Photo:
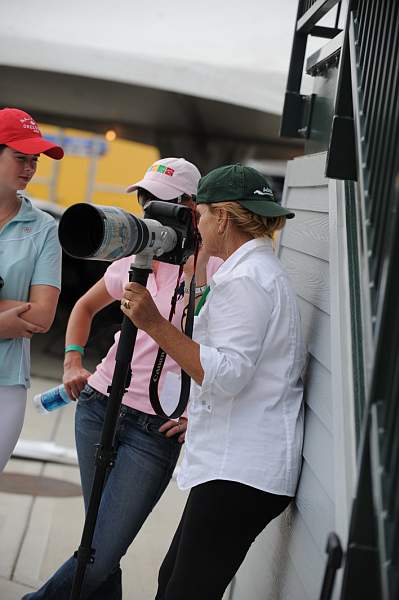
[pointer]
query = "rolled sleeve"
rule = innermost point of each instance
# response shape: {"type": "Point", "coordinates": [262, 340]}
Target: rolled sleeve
{"type": "Point", "coordinates": [209, 358]}
{"type": "Point", "coordinates": [239, 312]}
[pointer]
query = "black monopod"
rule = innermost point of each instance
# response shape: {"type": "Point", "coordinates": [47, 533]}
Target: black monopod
{"type": "Point", "coordinates": [106, 454]}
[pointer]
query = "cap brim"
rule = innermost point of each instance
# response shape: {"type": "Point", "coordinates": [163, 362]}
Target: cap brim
{"type": "Point", "coordinates": [37, 146]}
{"type": "Point", "coordinates": [267, 208]}
{"type": "Point", "coordinates": [160, 190]}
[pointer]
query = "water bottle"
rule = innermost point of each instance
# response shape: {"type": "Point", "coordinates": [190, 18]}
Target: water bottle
{"type": "Point", "coordinates": [52, 399]}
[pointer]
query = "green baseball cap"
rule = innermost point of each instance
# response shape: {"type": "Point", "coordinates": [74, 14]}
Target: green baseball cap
{"type": "Point", "coordinates": [241, 184]}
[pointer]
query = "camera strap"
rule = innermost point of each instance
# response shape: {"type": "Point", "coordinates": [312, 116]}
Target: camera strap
{"type": "Point", "coordinates": [161, 356]}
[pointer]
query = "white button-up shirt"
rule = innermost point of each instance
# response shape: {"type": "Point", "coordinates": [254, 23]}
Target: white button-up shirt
{"type": "Point", "coordinates": [245, 422]}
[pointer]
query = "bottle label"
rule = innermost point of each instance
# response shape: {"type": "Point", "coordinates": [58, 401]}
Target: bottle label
{"type": "Point", "coordinates": [52, 399]}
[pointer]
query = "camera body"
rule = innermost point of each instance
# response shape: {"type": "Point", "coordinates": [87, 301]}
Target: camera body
{"type": "Point", "coordinates": [181, 220]}
{"type": "Point", "coordinates": [167, 232]}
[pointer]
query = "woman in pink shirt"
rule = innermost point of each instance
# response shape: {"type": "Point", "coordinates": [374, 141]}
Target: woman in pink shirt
{"type": "Point", "coordinates": [148, 446]}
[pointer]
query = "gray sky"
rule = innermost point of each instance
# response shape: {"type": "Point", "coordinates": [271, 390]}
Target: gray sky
{"type": "Point", "coordinates": [230, 50]}
{"type": "Point", "coordinates": [254, 34]}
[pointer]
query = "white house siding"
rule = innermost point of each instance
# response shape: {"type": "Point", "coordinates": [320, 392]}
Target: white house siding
{"type": "Point", "coordinates": [287, 561]}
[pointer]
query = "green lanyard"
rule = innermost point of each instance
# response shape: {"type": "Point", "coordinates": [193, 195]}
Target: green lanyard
{"type": "Point", "coordinates": [201, 301]}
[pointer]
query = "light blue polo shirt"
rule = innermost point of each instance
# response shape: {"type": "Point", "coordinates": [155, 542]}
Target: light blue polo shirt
{"type": "Point", "coordinates": [30, 254]}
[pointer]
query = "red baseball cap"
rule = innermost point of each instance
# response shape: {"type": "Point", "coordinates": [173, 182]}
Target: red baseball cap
{"type": "Point", "coordinates": [20, 132]}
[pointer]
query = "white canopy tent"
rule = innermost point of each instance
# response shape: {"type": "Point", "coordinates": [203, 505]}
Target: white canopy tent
{"type": "Point", "coordinates": [210, 69]}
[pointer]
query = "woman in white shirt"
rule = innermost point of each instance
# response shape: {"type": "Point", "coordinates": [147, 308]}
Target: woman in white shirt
{"type": "Point", "coordinates": [244, 439]}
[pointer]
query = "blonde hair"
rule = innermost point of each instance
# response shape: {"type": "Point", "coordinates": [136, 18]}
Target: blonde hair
{"type": "Point", "coordinates": [254, 225]}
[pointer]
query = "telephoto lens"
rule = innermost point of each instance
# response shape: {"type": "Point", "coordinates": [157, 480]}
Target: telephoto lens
{"type": "Point", "coordinates": [109, 233]}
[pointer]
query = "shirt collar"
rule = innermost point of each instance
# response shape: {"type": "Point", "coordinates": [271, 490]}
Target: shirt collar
{"type": "Point", "coordinates": [26, 211]}
{"type": "Point", "coordinates": [225, 268]}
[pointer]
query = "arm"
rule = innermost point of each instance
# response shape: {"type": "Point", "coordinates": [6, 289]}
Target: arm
{"type": "Point", "coordinates": [203, 272]}
{"type": "Point", "coordinates": [78, 330]}
{"type": "Point", "coordinates": [200, 273]}
{"type": "Point", "coordinates": [238, 322]}
{"type": "Point", "coordinates": [43, 300]}
{"type": "Point", "coordinates": [145, 315]}
{"type": "Point", "coordinates": [45, 283]}
{"type": "Point", "coordinates": [13, 326]}
{"type": "Point", "coordinates": [42, 306]}
{"type": "Point", "coordinates": [7, 304]}
{"type": "Point", "coordinates": [178, 346]}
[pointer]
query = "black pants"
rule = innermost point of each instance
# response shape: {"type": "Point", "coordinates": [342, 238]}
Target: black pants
{"type": "Point", "coordinates": [220, 521]}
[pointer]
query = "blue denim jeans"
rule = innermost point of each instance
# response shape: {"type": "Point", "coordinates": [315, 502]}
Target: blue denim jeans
{"type": "Point", "coordinates": [143, 468]}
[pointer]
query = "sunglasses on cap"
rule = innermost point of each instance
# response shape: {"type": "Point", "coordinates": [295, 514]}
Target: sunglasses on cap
{"type": "Point", "coordinates": [144, 196]}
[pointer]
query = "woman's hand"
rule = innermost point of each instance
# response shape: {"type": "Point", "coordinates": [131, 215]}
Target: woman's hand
{"type": "Point", "coordinates": [172, 428]}
{"type": "Point", "coordinates": [78, 330]}
{"type": "Point", "coordinates": [138, 305]}
{"type": "Point", "coordinates": [75, 378]}
{"type": "Point", "coordinates": [12, 325]}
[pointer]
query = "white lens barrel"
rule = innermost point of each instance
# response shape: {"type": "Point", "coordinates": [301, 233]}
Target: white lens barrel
{"type": "Point", "coordinates": [161, 238]}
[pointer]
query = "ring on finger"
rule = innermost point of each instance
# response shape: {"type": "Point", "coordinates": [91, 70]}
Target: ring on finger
{"type": "Point", "coordinates": [125, 303]}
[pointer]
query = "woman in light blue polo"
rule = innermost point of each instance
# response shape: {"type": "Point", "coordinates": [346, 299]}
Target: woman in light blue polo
{"type": "Point", "coordinates": [30, 267]}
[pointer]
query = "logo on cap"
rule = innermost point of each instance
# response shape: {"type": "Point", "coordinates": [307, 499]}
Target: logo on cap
{"type": "Point", "coordinates": [161, 169]}
{"type": "Point", "coordinates": [265, 192]}
{"type": "Point", "coordinates": [29, 123]}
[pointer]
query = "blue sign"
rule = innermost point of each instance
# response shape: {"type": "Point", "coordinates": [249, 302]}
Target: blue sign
{"type": "Point", "coordinates": [77, 146]}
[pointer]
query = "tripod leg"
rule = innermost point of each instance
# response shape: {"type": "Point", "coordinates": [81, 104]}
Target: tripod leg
{"type": "Point", "coordinates": [105, 454]}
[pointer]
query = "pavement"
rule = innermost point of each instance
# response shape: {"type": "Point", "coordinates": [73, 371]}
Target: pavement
{"type": "Point", "coordinates": [41, 508]}
{"type": "Point", "coordinates": [41, 512]}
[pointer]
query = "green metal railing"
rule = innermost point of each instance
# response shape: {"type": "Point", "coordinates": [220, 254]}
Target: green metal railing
{"type": "Point", "coordinates": [373, 546]}
{"type": "Point", "coordinates": [297, 111]}
{"type": "Point", "coordinates": [364, 147]}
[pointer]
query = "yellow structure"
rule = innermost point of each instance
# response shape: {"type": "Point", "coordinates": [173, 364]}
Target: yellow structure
{"type": "Point", "coordinates": [88, 177]}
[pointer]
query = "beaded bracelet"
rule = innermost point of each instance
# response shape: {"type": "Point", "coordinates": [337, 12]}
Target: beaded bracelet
{"type": "Point", "coordinates": [198, 290]}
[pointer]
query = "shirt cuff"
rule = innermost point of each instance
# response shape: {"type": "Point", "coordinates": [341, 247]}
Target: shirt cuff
{"type": "Point", "coordinates": [209, 358]}
{"type": "Point", "coordinates": [53, 283]}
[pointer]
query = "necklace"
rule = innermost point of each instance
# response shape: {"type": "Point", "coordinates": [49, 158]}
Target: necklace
{"type": "Point", "coordinates": [11, 214]}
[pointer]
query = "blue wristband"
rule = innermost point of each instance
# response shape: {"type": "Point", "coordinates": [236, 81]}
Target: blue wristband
{"type": "Point", "coordinates": [72, 347]}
